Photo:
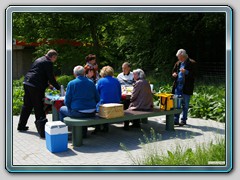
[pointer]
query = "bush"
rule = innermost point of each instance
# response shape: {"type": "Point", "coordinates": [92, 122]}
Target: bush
{"type": "Point", "coordinates": [63, 80]}
{"type": "Point", "coordinates": [208, 102]}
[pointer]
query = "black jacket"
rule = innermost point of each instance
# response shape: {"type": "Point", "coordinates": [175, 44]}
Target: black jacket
{"type": "Point", "coordinates": [189, 78]}
{"type": "Point", "coordinates": [41, 74]}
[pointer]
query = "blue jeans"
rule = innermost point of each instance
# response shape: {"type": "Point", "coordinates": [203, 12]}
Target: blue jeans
{"type": "Point", "coordinates": [185, 106]}
{"type": "Point", "coordinates": [64, 112]}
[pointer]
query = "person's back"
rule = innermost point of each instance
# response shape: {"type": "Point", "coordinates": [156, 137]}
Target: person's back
{"type": "Point", "coordinates": [81, 94]}
{"type": "Point", "coordinates": [80, 99]}
{"type": "Point", "coordinates": [141, 98]}
{"type": "Point", "coordinates": [40, 73]}
{"type": "Point", "coordinates": [109, 90]}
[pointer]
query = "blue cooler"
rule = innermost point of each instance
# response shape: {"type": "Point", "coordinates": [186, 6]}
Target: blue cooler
{"type": "Point", "coordinates": [56, 135]}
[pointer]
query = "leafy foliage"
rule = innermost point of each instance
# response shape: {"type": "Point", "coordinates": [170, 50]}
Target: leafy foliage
{"type": "Point", "coordinates": [64, 80]}
{"type": "Point", "coordinates": [208, 102]}
{"type": "Point", "coordinates": [147, 40]}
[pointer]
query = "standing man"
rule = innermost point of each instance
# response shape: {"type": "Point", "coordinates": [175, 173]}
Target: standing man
{"type": "Point", "coordinates": [126, 76]}
{"type": "Point", "coordinates": [184, 74]}
{"type": "Point", "coordinates": [35, 83]}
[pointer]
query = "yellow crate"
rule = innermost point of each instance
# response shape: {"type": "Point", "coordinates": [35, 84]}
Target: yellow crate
{"type": "Point", "coordinates": [166, 101]}
{"type": "Point", "coordinates": [111, 110]}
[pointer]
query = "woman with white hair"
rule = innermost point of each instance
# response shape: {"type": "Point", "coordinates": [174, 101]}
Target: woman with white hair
{"type": "Point", "coordinates": [141, 98]}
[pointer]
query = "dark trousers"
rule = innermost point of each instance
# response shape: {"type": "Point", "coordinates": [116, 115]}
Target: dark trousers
{"type": "Point", "coordinates": [33, 99]}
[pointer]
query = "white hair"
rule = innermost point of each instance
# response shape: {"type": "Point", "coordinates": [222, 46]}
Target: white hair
{"type": "Point", "coordinates": [182, 52]}
{"type": "Point", "coordinates": [140, 73]}
{"type": "Point", "coordinates": [78, 71]}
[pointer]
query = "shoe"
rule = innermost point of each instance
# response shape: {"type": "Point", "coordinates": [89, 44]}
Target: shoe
{"type": "Point", "coordinates": [40, 125]}
{"type": "Point", "coordinates": [182, 123]}
{"type": "Point", "coordinates": [96, 130]}
{"type": "Point", "coordinates": [23, 128]}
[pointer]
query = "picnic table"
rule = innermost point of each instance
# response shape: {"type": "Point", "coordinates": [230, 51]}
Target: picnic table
{"type": "Point", "coordinates": [56, 102]}
{"type": "Point", "coordinates": [78, 123]}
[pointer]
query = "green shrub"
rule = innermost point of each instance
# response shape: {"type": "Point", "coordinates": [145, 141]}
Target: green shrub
{"type": "Point", "coordinates": [208, 102]}
{"type": "Point", "coordinates": [63, 80]}
{"type": "Point", "coordinates": [18, 93]}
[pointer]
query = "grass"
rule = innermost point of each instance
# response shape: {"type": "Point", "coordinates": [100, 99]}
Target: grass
{"type": "Point", "coordinates": [201, 155]}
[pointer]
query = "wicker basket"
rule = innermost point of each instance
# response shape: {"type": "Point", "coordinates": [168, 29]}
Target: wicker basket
{"type": "Point", "coordinates": [111, 110]}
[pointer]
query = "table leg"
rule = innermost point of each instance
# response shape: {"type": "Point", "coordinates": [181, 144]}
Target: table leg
{"type": "Point", "coordinates": [55, 115]}
{"type": "Point", "coordinates": [144, 120]}
{"type": "Point", "coordinates": [77, 136]}
{"type": "Point", "coordinates": [170, 122]}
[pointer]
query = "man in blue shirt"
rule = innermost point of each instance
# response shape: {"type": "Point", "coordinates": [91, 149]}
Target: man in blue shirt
{"type": "Point", "coordinates": [81, 97]}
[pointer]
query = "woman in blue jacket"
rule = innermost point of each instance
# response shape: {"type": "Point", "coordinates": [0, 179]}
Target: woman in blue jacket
{"type": "Point", "coordinates": [109, 90]}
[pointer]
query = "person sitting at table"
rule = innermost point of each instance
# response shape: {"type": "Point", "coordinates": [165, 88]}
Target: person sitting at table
{"type": "Point", "coordinates": [126, 79]}
{"type": "Point", "coordinates": [81, 97]}
{"type": "Point", "coordinates": [91, 67]}
{"type": "Point", "coordinates": [109, 90]}
{"type": "Point", "coordinates": [126, 76]}
{"type": "Point", "coordinates": [141, 98]}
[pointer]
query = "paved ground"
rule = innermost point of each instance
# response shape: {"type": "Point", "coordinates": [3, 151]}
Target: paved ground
{"type": "Point", "coordinates": [105, 149]}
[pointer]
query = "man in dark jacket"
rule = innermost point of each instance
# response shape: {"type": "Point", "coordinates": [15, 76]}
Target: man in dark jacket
{"type": "Point", "coordinates": [184, 73]}
{"type": "Point", "coordinates": [35, 83]}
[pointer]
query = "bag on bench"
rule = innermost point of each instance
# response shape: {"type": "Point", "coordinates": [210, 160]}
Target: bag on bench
{"type": "Point", "coordinates": [166, 101]}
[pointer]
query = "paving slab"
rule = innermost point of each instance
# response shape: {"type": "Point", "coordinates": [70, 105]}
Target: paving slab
{"type": "Point", "coordinates": [104, 148]}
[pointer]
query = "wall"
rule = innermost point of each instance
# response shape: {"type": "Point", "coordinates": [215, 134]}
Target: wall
{"type": "Point", "coordinates": [21, 61]}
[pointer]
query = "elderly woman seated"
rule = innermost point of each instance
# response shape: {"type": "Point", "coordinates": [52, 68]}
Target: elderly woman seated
{"type": "Point", "coordinates": [141, 98]}
{"type": "Point", "coordinates": [109, 90]}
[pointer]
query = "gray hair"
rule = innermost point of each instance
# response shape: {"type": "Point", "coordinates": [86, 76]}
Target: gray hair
{"type": "Point", "coordinates": [182, 52]}
{"type": "Point", "coordinates": [52, 53]}
{"type": "Point", "coordinates": [140, 73]}
{"type": "Point", "coordinates": [78, 71]}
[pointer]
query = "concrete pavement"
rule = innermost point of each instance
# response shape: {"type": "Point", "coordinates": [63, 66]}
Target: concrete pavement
{"type": "Point", "coordinates": [105, 149]}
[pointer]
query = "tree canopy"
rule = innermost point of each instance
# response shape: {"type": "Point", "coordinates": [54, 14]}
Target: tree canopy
{"type": "Point", "coordinates": [147, 40]}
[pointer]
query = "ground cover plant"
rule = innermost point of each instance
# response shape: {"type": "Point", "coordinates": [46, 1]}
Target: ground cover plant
{"type": "Point", "coordinates": [202, 154]}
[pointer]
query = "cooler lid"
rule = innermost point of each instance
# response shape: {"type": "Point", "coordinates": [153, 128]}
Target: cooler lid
{"type": "Point", "coordinates": [56, 127]}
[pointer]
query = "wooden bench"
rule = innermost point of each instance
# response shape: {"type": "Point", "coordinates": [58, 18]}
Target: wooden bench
{"type": "Point", "coordinates": [77, 124]}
